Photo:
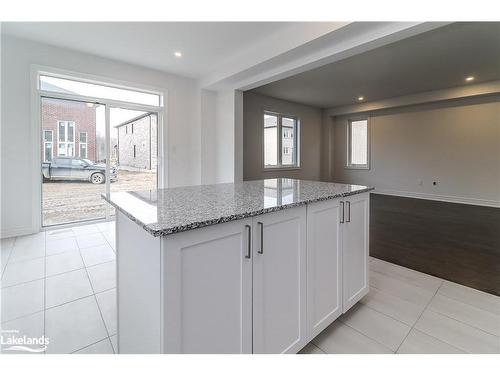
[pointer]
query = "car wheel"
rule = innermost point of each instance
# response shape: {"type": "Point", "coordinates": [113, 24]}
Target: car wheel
{"type": "Point", "coordinates": [97, 178]}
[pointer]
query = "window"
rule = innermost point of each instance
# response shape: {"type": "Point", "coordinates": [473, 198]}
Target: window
{"type": "Point", "coordinates": [66, 138]}
{"type": "Point", "coordinates": [47, 145]}
{"type": "Point", "coordinates": [83, 145]}
{"type": "Point", "coordinates": [74, 87]}
{"type": "Point", "coordinates": [280, 141]}
{"type": "Point", "coordinates": [357, 144]}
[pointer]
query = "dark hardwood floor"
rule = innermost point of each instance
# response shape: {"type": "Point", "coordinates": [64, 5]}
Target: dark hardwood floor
{"type": "Point", "coordinates": [456, 242]}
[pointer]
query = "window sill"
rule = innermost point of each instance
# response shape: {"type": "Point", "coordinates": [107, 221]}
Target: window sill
{"type": "Point", "coordinates": [363, 168]}
{"type": "Point", "coordinates": [280, 169]}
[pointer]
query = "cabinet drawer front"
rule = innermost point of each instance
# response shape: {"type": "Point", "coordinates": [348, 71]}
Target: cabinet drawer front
{"type": "Point", "coordinates": [280, 281]}
{"type": "Point", "coordinates": [208, 290]}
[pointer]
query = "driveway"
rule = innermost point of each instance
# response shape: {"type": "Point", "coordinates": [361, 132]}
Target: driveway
{"type": "Point", "coordinates": [65, 202]}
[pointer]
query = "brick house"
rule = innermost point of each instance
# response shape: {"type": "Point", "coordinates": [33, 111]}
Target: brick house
{"type": "Point", "coordinates": [68, 129]}
{"type": "Point", "coordinates": [137, 143]}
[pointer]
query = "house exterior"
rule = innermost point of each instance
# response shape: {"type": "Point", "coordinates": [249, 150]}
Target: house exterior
{"type": "Point", "coordinates": [136, 146]}
{"type": "Point", "coordinates": [68, 129]}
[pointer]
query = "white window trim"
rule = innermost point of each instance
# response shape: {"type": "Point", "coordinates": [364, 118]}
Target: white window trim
{"type": "Point", "coordinates": [348, 164]}
{"type": "Point", "coordinates": [45, 143]}
{"type": "Point", "coordinates": [83, 143]}
{"type": "Point", "coordinates": [280, 166]}
{"type": "Point", "coordinates": [66, 133]}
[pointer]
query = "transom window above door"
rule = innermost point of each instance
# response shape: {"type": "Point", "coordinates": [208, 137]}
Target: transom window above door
{"type": "Point", "coordinates": [87, 89]}
{"type": "Point", "coordinates": [281, 141]}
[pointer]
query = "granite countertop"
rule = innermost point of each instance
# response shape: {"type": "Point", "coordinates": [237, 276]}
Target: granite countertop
{"type": "Point", "coordinates": [167, 211]}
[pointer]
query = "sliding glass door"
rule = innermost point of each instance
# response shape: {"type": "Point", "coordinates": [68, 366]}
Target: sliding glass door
{"type": "Point", "coordinates": [98, 145]}
{"type": "Point", "coordinates": [133, 149]}
{"type": "Point", "coordinates": [73, 161]}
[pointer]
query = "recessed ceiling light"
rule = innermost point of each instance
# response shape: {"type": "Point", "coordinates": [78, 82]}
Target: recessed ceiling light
{"type": "Point", "coordinates": [470, 78]}
{"type": "Point", "coordinates": [178, 54]}
{"type": "Point", "coordinates": [361, 98]}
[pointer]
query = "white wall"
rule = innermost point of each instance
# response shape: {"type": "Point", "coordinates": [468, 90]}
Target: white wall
{"type": "Point", "coordinates": [208, 138]}
{"type": "Point", "coordinates": [310, 137]}
{"type": "Point", "coordinates": [225, 124]}
{"type": "Point", "coordinates": [455, 143]}
{"type": "Point", "coordinates": [182, 138]}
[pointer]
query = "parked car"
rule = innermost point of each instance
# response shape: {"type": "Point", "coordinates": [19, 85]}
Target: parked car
{"type": "Point", "coordinates": [65, 168]}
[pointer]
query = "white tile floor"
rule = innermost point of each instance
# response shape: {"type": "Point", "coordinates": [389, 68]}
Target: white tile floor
{"type": "Point", "coordinates": [63, 283]}
{"type": "Point", "coordinates": [410, 312]}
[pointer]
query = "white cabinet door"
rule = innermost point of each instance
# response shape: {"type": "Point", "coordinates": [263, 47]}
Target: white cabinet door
{"type": "Point", "coordinates": [208, 290]}
{"type": "Point", "coordinates": [355, 249]}
{"type": "Point", "coordinates": [279, 295]}
{"type": "Point", "coordinates": [324, 265]}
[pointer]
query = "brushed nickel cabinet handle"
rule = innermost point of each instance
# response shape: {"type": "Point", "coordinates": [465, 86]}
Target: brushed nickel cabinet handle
{"type": "Point", "coordinates": [348, 212]}
{"type": "Point", "coordinates": [249, 251]}
{"type": "Point", "coordinates": [342, 214]}
{"type": "Point", "coordinates": [261, 251]}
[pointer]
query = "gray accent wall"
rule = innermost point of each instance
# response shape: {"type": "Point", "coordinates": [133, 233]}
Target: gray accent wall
{"type": "Point", "coordinates": [454, 143]}
{"type": "Point", "coordinates": [310, 124]}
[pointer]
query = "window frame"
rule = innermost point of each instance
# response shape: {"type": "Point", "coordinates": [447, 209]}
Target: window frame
{"type": "Point", "coordinates": [45, 143]}
{"type": "Point", "coordinates": [348, 164]}
{"type": "Point", "coordinates": [80, 144]}
{"type": "Point", "coordinates": [279, 165]}
{"type": "Point", "coordinates": [66, 142]}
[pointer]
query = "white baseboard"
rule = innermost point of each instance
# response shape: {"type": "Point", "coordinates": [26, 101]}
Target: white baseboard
{"type": "Point", "coordinates": [441, 198]}
{"type": "Point", "coordinates": [14, 232]}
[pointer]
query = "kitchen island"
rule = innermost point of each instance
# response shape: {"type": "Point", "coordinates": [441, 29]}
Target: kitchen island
{"type": "Point", "coordinates": [250, 267]}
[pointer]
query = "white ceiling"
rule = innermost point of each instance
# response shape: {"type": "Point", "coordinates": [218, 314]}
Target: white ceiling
{"type": "Point", "coordinates": [433, 60]}
{"type": "Point", "coordinates": [206, 46]}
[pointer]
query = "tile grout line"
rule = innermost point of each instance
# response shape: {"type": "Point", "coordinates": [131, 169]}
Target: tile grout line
{"type": "Point", "coordinates": [422, 313]}
{"type": "Point", "coordinates": [371, 338]}
{"type": "Point", "coordinates": [88, 346]}
{"type": "Point", "coordinates": [97, 302]}
{"type": "Point", "coordinates": [444, 342]}
{"type": "Point", "coordinates": [403, 282]}
{"type": "Point", "coordinates": [465, 303]}
{"type": "Point", "coordinates": [411, 326]}
{"type": "Point", "coordinates": [427, 305]}
{"type": "Point", "coordinates": [468, 304]}
{"type": "Point", "coordinates": [316, 346]}
{"type": "Point", "coordinates": [105, 238]}
{"type": "Point", "coordinates": [95, 297]}
{"type": "Point", "coordinates": [441, 284]}
{"type": "Point", "coordinates": [58, 274]}
{"type": "Point", "coordinates": [464, 323]}
{"type": "Point", "coordinates": [23, 316]}
{"type": "Point", "coordinates": [393, 296]}
{"type": "Point", "coordinates": [8, 258]}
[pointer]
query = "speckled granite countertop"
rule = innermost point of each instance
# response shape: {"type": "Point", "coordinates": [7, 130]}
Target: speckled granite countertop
{"type": "Point", "coordinates": [167, 211]}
